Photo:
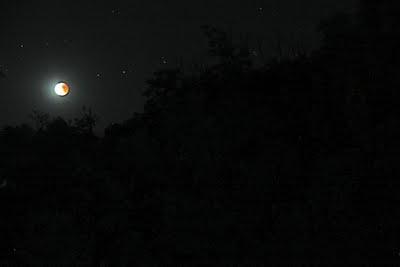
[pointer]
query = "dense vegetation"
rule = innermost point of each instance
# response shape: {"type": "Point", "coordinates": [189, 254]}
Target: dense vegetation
{"type": "Point", "coordinates": [232, 162]}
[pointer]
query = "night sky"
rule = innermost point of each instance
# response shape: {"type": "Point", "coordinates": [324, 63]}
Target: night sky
{"type": "Point", "coordinates": [106, 50]}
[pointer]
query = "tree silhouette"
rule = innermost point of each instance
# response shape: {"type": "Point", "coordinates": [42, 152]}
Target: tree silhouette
{"type": "Point", "coordinates": [40, 119]}
{"type": "Point", "coordinates": [87, 121]}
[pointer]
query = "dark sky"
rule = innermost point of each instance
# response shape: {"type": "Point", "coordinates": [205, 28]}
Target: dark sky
{"type": "Point", "coordinates": [106, 50]}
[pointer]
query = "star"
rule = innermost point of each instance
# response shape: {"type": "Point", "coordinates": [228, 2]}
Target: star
{"type": "Point", "coordinates": [115, 12]}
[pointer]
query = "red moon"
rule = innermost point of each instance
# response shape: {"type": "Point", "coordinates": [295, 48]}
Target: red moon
{"type": "Point", "coordinates": [61, 89]}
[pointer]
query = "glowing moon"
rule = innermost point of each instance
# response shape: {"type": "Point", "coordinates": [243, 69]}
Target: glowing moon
{"type": "Point", "coordinates": [61, 89]}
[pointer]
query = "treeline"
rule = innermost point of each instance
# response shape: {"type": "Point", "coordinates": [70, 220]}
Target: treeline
{"type": "Point", "coordinates": [294, 161]}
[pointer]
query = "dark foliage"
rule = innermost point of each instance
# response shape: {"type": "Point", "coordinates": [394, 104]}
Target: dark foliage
{"type": "Point", "coordinates": [295, 161]}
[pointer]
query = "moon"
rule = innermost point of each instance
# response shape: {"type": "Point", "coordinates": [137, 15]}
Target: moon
{"type": "Point", "coordinates": [61, 89]}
